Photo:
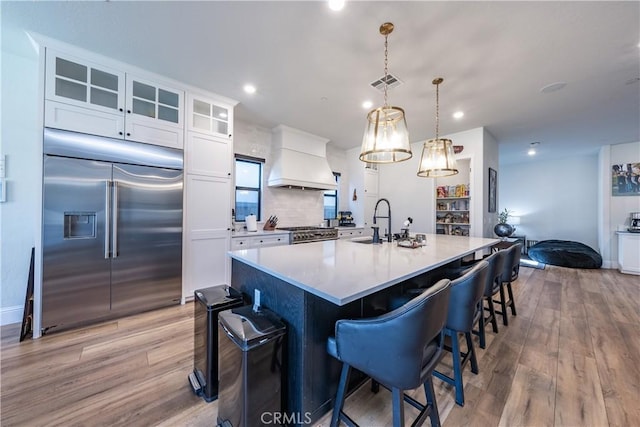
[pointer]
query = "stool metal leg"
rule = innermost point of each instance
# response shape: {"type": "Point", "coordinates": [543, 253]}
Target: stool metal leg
{"type": "Point", "coordinates": [431, 402]}
{"type": "Point", "coordinates": [471, 350]}
{"type": "Point", "coordinates": [503, 306]}
{"type": "Point", "coordinates": [492, 315]}
{"type": "Point", "coordinates": [398, 407]}
{"type": "Point", "coordinates": [340, 395]}
{"type": "Point", "coordinates": [512, 302]}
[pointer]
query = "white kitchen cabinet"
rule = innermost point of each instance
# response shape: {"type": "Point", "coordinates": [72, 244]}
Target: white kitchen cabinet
{"type": "Point", "coordinates": [154, 113]}
{"type": "Point", "coordinates": [207, 155]}
{"type": "Point", "coordinates": [207, 233]}
{"type": "Point", "coordinates": [209, 116]}
{"type": "Point", "coordinates": [86, 97]}
{"type": "Point", "coordinates": [628, 252]}
{"type": "Point", "coordinates": [350, 233]}
{"type": "Point", "coordinates": [259, 241]}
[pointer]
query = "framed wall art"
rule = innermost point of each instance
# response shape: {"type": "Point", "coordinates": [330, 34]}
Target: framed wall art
{"type": "Point", "coordinates": [625, 179]}
{"type": "Point", "coordinates": [493, 188]}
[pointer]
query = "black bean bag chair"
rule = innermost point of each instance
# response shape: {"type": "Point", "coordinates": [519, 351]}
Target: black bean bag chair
{"type": "Point", "coordinates": [565, 253]}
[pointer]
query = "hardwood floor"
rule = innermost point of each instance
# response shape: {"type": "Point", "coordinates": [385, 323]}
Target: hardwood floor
{"type": "Point", "coordinates": [570, 358]}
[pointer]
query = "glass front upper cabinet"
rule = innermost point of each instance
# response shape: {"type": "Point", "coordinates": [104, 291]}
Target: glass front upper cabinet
{"type": "Point", "coordinates": [209, 117]}
{"type": "Point", "coordinates": [152, 101]}
{"type": "Point", "coordinates": [75, 81]}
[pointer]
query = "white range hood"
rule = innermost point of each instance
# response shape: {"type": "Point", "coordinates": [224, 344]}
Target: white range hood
{"type": "Point", "coordinates": [300, 160]}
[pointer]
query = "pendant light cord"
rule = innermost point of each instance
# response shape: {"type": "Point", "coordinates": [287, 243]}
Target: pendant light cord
{"type": "Point", "coordinates": [386, 72]}
{"type": "Point", "coordinates": [437, 111]}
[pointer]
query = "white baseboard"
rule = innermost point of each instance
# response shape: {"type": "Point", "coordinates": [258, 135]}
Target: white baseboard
{"type": "Point", "coordinates": [9, 315]}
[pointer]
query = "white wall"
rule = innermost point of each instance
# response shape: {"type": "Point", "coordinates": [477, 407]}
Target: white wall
{"type": "Point", "coordinates": [20, 143]}
{"type": "Point", "coordinates": [413, 196]}
{"type": "Point", "coordinates": [555, 199]}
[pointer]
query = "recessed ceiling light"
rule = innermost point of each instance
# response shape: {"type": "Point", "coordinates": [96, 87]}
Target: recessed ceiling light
{"type": "Point", "coordinates": [553, 87]}
{"type": "Point", "coordinates": [336, 5]}
{"type": "Point", "coordinates": [367, 104]}
{"type": "Point", "coordinates": [458, 114]}
{"type": "Point", "coordinates": [249, 88]}
{"type": "Point", "coordinates": [532, 148]}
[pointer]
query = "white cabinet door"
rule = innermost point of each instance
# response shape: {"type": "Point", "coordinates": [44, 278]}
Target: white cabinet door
{"type": "Point", "coordinates": [208, 233]}
{"type": "Point", "coordinates": [205, 115]}
{"type": "Point", "coordinates": [206, 155]}
{"type": "Point", "coordinates": [350, 234]}
{"type": "Point", "coordinates": [74, 81]}
{"type": "Point", "coordinates": [80, 119]}
{"type": "Point", "coordinates": [250, 242]}
{"type": "Point", "coordinates": [154, 113]}
{"type": "Point", "coordinates": [370, 182]}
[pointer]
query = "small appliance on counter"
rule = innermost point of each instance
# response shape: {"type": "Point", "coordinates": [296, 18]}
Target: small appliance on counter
{"type": "Point", "coordinates": [345, 219]}
{"type": "Point", "coordinates": [634, 222]}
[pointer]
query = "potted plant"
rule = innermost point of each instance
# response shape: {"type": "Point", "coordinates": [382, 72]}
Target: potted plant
{"type": "Point", "coordinates": [502, 229]}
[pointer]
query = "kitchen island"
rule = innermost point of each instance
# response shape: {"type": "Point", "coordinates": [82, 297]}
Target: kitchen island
{"type": "Point", "coordinates": [314, 284]}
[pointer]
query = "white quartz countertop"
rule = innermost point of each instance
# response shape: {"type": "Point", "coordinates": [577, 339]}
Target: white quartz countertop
{"type": "Point", "coordinates": [245, 233]}
{"type": "Point", "coordinates": [342, 271]}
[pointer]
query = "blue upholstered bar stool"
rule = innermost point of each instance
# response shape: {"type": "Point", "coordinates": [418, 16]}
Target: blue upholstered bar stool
{"type": "Point", "coordinates": [463, 313]}
{"type": "Point", "coordinates": [510, 270]}
{"type": "Point", "coordinates": [494, 262]}
{"type": "Point", "coordinates": [398, 349]}
{"type": "Point", "coordinates": [493, 289]}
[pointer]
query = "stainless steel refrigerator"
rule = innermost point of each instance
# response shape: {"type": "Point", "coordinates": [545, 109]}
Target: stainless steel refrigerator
{"type": "Point", "coordinates": [112, 232]}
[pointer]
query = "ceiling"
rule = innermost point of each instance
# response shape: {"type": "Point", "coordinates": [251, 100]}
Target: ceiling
{"type": "Point", "coordinates": [313, 66]}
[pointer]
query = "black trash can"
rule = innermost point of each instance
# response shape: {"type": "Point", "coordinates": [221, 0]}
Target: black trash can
{"type": "Point", "coordinates": [251, 367]}
{"type": "Point", "coordinates": [208, 303]}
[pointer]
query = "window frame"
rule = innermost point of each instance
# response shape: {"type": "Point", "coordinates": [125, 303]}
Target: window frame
{"type": "Point", "coordinates": [260, 162]}
{"type": "Point", "coordinates": [336, 175]}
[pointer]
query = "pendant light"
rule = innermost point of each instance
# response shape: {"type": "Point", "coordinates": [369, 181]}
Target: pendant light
{"type": "Point", "coordinates": [437, 154]}
{"type": "Point", "coordinates": [386, 138]}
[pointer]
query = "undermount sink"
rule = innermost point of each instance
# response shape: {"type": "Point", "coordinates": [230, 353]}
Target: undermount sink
{"type": "Point", "coordinates": [366, 241]}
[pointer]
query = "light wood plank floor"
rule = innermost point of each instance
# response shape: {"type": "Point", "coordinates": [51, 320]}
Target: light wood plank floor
{"type": "Point", "coordinates": [570, 358]}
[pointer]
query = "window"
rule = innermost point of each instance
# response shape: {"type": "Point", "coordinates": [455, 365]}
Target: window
{"type": "Point", "coordinates": [248, 187]}
{"type": "Point", "coordinates": [331, 201]}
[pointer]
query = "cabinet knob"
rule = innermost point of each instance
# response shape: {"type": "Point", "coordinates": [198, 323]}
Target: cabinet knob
{"type": "Point", "coordinates": [128, 111]}
{"type": "Point", "coordinates": [119, 133]}
{"type": "Point", "coordinates": [128, 134]}
{"type": "Point", "coordinates": [228, 173]}
{"type": "Point", "coordinates": [260, 241]}
{"type": "Point", "coordinates": [121, 109]}
{"type": "Point", "coordinates": [229, 135]}
{"type": "Point", "coordinates": [228, 229]}
{"type": "Point", "coordinates": [242, 243]}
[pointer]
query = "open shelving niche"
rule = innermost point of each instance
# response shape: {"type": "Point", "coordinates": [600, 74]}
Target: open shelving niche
{"type": "Point", "coordinates": [453, 202]}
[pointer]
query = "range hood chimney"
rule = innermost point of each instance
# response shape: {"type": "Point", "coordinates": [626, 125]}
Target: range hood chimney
{"type": "Point", "coordinates": [300, 160]}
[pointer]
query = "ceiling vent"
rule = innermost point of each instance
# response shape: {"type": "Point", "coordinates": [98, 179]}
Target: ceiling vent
{"type": "Point", "coordinates": [391, 81]}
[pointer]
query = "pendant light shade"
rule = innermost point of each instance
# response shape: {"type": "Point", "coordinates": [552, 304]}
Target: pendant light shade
{"type": "Point", "coordinates": [386, 138]}
{"type": "Point", "coordinates": [437, 154]}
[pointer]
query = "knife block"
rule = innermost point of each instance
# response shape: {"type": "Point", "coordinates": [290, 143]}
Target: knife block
{"type": "Point", "coordinates": [268, 227]}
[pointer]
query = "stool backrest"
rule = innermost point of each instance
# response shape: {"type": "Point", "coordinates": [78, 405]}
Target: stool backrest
{"type": "Point", "coordinates": [392, 347]}
{"type": "Point", "coordinates": [496, 261]}
{"type": "Point", "coordinates": [512, 258]}
{"type": "Point", "coordinates": [466, 292]}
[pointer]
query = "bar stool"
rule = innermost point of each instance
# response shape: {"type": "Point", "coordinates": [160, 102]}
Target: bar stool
{"type": "Point", "coordinates": [466, 295]}
{"type": "Point", "coordinates": [493, 288]}
{"type": "Point", "coordinates": [492, 260]}
{"type": "Point", "coordinates": [398, 349]}
{"type": "Point", "coordinates": [509, 273]}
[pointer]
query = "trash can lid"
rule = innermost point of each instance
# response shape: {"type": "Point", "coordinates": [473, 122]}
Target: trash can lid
{"type": "Point", "coordinates": [219, 296]}
{"type": "Point", "coordinates": [249, 328]}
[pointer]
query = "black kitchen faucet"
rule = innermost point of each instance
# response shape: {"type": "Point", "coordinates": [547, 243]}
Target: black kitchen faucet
{"type": "Point", "coordinates": [375, 216]}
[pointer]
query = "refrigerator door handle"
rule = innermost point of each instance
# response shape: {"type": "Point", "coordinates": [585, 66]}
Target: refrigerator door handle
{"type": "Point", "coordinates": [114, 214]}
{"type": "Point", "coordinates": [107, 219]}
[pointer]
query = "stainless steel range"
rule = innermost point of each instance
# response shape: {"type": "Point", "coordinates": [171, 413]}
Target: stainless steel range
{"type": "Point", "coordinates": [310, 234]}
